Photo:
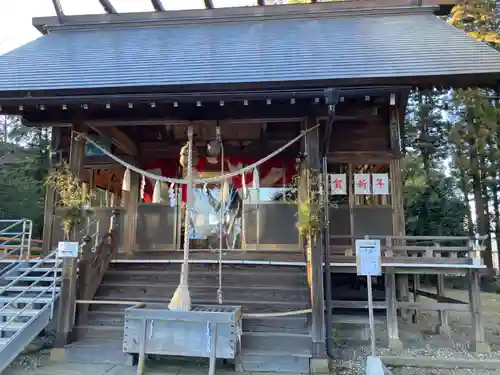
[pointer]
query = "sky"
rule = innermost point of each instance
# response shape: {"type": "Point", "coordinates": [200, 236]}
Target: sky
{"type": "Point", "coordinates": [16, 15]}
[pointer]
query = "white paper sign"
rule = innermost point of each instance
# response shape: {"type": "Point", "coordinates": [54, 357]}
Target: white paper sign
{"type": "Point", "coordinates": [368, 259]}
{"type": "Point", "coordinates": [338, 184]}
{"type": "Point", "coordinates": [67, 249]}
{"type": "Point", "coordinates": [380, 182]}
{"type": "Point", "coordinates": [362, 184]}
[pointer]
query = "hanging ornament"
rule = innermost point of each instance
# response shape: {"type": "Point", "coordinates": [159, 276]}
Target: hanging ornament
{"type": "Point", "coordinates": [157, 192]}
{"type": "Point", "coordinates": [256, 179]}
{"type": "Point", "coordinates": [143, 186]}
{"type": "Point", "coordinates": [171, 195]}
{"type": "Point", "coordinates": [244, 186]}
{"type": "Point", "coordinates": [213, 148]}
{"type": "Point", "coordinates": [184, 155]}
{"type": "Point", "coordinates": [126, 180]}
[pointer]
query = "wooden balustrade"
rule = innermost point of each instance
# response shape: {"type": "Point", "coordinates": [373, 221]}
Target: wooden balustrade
{"type": "Point", "coordinates": [94, 262]}
{"type": "Point", "coordinates": [425, 249]}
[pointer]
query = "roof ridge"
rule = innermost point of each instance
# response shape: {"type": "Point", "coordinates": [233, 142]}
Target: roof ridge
{"type": "Point", "coordinates": [227, 15]}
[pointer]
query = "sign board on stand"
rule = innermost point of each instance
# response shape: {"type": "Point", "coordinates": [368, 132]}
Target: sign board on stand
{"type": "Point", "coordinates": [368, 259]}
{"type": "Point", "coordinates": [369, 263]}
{"type": "Point", "coordinates": [66, 249]}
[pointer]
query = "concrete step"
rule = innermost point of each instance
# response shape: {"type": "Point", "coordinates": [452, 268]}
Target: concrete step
{"type": "Point", "coordinates": [105, 350]}
{"type": "Point", "coordinates": [277, 344]}
{"type": "Point", "coordinates": [272, 363]}
{"type": "Point", "coordinates": [274, 352]}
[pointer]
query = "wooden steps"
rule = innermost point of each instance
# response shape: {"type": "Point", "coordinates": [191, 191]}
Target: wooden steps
{"type": "Point", "coordinates": [274, 352]}
{"type": "Point", "coordinates": [280, 344]}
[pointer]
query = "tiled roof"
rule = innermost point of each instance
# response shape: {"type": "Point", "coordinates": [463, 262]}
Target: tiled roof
{"type": "Point", "coordinates": [301, 49]}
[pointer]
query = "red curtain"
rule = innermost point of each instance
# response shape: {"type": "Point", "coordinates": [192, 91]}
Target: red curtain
{"type": "Point", "coordinates": [170, 168]}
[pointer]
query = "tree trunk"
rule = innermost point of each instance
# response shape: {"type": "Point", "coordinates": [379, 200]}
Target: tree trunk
{"type": "Point", "coordinates": [465, 189]}
{"type": "Point", "coordinates": [495, 191]}
{"type": "Point", "coordinates": [482, 224]}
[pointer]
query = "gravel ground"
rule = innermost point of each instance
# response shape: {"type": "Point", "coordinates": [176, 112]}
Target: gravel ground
{"type": "Point", "coordinates": [419, 340]}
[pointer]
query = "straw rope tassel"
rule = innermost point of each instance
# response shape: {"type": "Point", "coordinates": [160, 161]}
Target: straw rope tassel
{"type": "Point", "coordinates": [157, 192]}
{"type": "Point", "coordinates": [181, 301]}
{"type": "Point", "coordinates": [126, 180]}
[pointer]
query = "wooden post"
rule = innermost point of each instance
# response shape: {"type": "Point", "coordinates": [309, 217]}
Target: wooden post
{"type": "Point", "coordinates": [50, 202]}
{"type": "Point", "coordinates": [479, 344]}
{"type": "Point", "coordinates": [130, 203]}
{"type": "Point", "coordinates": [392, 317]}
{"type": "Point", "coordinates": [313, 163]}
{"type": "Point", "coordinates": [416, 297]}
{"type": "Point", "coordinates": [443, 328]}
{"type": "Point", "coordinates": [83, 266]}
{"type": "Point", "coordinates": [67, 299]}
{"type": "Point", "coordinates": [398, 224]}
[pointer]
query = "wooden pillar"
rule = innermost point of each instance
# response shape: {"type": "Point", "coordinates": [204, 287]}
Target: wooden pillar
{"type": "Point", "coordinates": [67, 299]}
{"type": "Point", "coordinates": [130, 202]}
{"type": "Point", "coordinates": [398, 217]}
{"type": "Point", "coordinates": [50, 202]}
{"type": "Point", "coordinates": [478, 344]}
{"type": "Point", "coordinates": [416, 297]}
{"type": "Point", "coordinates": [392, 317]}
{"type": "Point", "coordinates": [315, 267]}
{"type": "Point", "coordinates": [443, 328]}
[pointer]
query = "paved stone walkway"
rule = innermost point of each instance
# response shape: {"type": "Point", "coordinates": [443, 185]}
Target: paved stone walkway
{"type": "Point", "coordinates": [42, 365]}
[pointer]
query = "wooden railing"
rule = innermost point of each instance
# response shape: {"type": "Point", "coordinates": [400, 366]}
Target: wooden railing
{"type": "Point", "coordinates": [94, 262]}
{"type": "Point", "coordinates": [427, 248]}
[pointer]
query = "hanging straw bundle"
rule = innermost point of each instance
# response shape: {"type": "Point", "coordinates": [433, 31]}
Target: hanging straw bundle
{"type": "Point", "coordinates": [181, 301]}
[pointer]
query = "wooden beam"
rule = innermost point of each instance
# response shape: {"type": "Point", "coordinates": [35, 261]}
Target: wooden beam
{"type": "Point", "coordinates": [59, 11]}
{"type": "Point", "coordinates": [108, 7]}
{"type": "Point", "coordinates": [118, 138]}
{"type": "Point", "coordinates": [157, 4]}
{"type": "Point", "coordinates": [209, 4]}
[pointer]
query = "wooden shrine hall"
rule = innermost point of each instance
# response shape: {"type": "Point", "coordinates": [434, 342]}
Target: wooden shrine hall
{"type": "Point", "coordinates": [326, 84]}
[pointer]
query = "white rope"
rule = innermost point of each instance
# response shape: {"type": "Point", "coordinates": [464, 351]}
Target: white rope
{"type": "Point", "coordinates": [189, 203]}
{"type": "Point", "coordinates": [221, 214]}
{"type": "Point", "coordinates": [156, 177]}
{"type": "Point", "coordinates": [245, 315]}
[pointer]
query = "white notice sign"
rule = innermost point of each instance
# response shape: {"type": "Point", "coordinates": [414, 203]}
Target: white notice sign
{"type": "Point", "coordinates": [368, 258]}
{"type": "Point", "coordinates": [338, 184]}
{"type": "Point", "coordinates": [67, 249]}
{"type": "Point", "coordinates": [362, 184]}
{"type": "Point", "coordinates": [380, 183]}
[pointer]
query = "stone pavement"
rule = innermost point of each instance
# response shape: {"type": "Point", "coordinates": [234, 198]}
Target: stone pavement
{"type": "Point", "coordinates": [43, 366]}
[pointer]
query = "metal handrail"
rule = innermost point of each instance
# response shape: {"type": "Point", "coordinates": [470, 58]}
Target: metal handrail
{"type": "Point", "coordinates": [27, 231]}
{"type": "Point", "coordinates": [52, 287]}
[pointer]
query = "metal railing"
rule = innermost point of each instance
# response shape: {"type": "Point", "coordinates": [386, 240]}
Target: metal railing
{"type": "Point", "coordinates": [15, 237]}
{"type": "Point", "coordinates": [52, 289]}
